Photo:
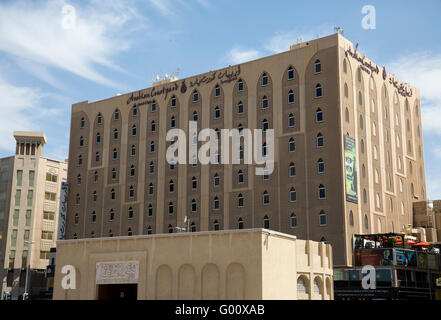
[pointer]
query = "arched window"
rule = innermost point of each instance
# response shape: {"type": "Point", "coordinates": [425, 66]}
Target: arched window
{"type": "Point", "coordinates": [133, 150]}
{"type": "Point", "coordinates": [345, 66]}
{"type": "Point", "coordinates": [116, 115]}
{"type": "Point", "coordinates": [265, 125]}
{"type": "Point", "coordinates": [115, 154]}
{"type": "Point", "coordinates": [240, 200]}
{"type": "Point", "coordinates": [131, 192]}
{"type": "Point", "coordinates": [170, 208]}
{"type": "Point", "coordinates": [216, 225]}
{"type": "Point", "coordinates": [240, 85]}
{"type": "Point", "coordinates": [320, 140]}
{"type": "Point", "coordinates": [150, 210]}
{"type": "Point", "coordinates": [216, 180]}
{"type": "Point", "coordinates": [97, 157]}
{"type": "Point", "coordinates": [291, 121]}
{"type": "Point", "coordinates": [321, 192]}
{"type": "Point", "coordinates": [195, 116]}
{"type": "Point", "coordinates": [172, 122]}
{"type": "Point", "coordinates": [364, 196]}
{"type": "Point", "coordinates": [290, 97]}
{"type": "Point", "coordinates": [81, 141]}
{"type": "Point", "coordinates": [153, 126]}
{"type": "Point", "coordinates": [112, 194]}
{"type": "Point", "coordinates": [322, 218]}
{"type": "Point", "coordinates": [99, 119]}
{"type": "Point", "coordinates": [195, 96]}
{"type": "Point", "coordinates": [170, 228]}
{"type": "Point", "coordinates": [193, 205]}
{"type": "Point", "coordinates": [94, 196]}
{"type": "Point", "coordinates": [80, 160]}
{"type": "Point", "coordinates": [134, 111]}
{"type": "Point", "coordinates": [317, 286]}
{"type": "Point", "coordinates": [130, 213]}
{"type": "Point", "coordinates": [217, 91]}
{"type": "Point", "coordinates": [240, 223]}
{"type": "Point", "coordinates": [351, 218]}
{"type": "Point", "coordinates": [79, 179]}
{"type": "Point", "coordinates": [317, 66]}
{"type": "Point", "coordinates": [171, 186]}
{"type": "Point", "coordinates": [82, 123]}
{"type": "Point", "coordinates": [77, 218]}
{"type": "Point", "coordinates": [264, 79]}
{"type": "Point", "coordinates": [77, 199]}
{"type": "Point", "coordinates": [346, 90]}
{"type": "Point", "coordinates": [240, 107]}
{"type": "Point", "coordinates": [75, 236]}
{"type": "Point", "coordinates": [290, 73]}
{"type": "Point", "coordinates": [320, 166]}
{"type": "Point", "coordinates": [266, 222]}
{"type": "Point", "coordinates": [113, 174]}
{"type": "Point", "coordinates": [292, 169]}
{"type": "Point", "coordinates": [173, 101]}
{"type": "Point", "coordinates": [302, 287]}
{"type": "Point", "coordinates": [217, 113]}
{"type": "Point", "coordinates": [292, 195]}
{"type": "Point", "coordinates": [129, 232]}
{"type": "Point", "coordinates": [318, 91]}
{"type": "Point", "coordinates": [98, 137]}
{"type": "Point", "coordinates": [132, 170]}
{"type": "Point", "coordinates": [264, 102]}
{"type": "Point", "coordinates": [319, 115]}
{"type": "Point", "coordinates": [347, 115]}
{"type": "Point", "coordinates": [216, 203]}
{"type": "Point", "coordinates": [292, 145]}
{"type": "Point", "coordinates": [115, 134]}
{"type": "Point", "coordinates": [151, 189]}
{"type": "Point", "coordinates": [111, 215]}
{"type": "Point", "coordinates": [266, 198]}
{"type": "Point", "coordinates": [293, 220]}
{"type": "Point", "coordinates": [240, 177]}
{"type": "Point", "coordinates": [134, 130]}
{"type": "Point", "coordinates": [193, 227]}
{"type": "Point", "coordinates": [149, 230]}
{"type": "Point", "coordinates": [152, 147]}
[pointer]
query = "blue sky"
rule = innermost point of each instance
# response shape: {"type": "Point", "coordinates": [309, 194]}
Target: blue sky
{"type": "Point", "coordinates": [115, 46]}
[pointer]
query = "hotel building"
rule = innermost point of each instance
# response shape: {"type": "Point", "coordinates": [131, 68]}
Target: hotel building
{"type": "Point", "coordinates": [348, 153]}
{"type": "Point", "coordinates": [29, 200]}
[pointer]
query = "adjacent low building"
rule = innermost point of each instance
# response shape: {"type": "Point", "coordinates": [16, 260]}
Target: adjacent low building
{"type": "Point", "coordinates": [29, 203]}
{"type": "Point", "coordinates": [240, 264]}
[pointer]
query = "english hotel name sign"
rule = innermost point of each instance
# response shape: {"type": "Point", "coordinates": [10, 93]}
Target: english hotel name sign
{"type": "Point", "coordinates": [147, 96]}
{"type": "Point", "coordinates": [369, 68]}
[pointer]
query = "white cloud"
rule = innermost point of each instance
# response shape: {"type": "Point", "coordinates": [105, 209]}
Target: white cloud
{"type": "Point", "coordinates": [18, 109]}
{"type": "Point", "coordinates": [423, 70]}
{"type": "Point", "coordinates": [77, 41]}
{"type": "Point", "coordinates": [239, 55]}
{"type": "Point", "coordinates": [169, 8]}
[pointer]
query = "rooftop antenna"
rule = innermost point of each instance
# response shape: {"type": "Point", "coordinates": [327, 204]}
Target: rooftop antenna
{"type": "Point", "coordinates": [299, 40]}
{"type": "Point", "coordinates": [356, 47]}
{"type": "Point", "coordinates": [338, 30]}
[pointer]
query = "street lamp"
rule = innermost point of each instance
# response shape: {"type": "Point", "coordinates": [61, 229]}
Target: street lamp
{"type": "Point", "coordinates": [25, 295]}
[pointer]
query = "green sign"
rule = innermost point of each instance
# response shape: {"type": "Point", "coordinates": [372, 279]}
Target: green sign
{"type": "Point", "coordinates": [350, 169]}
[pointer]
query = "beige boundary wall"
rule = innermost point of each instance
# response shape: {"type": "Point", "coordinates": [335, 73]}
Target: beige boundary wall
{"type": "Point", "coordinates": [239, 264]}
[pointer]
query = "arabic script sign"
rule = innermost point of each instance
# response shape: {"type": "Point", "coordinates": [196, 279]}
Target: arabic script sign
{"type": "Point", "coordinates": [117, 272]}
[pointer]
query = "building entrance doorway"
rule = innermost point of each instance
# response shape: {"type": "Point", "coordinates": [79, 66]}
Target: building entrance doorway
{"type": "Point", "coordinates": [117, 292]}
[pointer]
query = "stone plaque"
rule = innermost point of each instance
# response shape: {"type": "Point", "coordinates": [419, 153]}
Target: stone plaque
{"type": "Point", "coordinates": [117, 272]}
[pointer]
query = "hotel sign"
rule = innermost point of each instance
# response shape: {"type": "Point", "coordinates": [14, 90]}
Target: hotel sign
{"type": "Point", "coordinates": [117, 272]}
{"type": "Point", "coordinates": [147, 96]}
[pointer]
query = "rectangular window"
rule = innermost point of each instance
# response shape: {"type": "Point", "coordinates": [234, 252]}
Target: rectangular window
{"type": "Point", "coordinates": [4, 176]}
{"type": "Point", "coordinates": [51, 177]}
{"type": "Point", "coordinates": [48, 215]}
{"type": "Point", "coordinates": [47, 235]}
{"type": "Point", "coordinates": [44, 255]}
{"type": "Point", "coordinates": [14, 238]}
{"type": "Point", "coordinates": [15, 217]}
{"type": "Point", "coordinates": [26, 235]}
{"type": "Point", "coordinates": [11, 259]}
{"type": "Point", "coordinates": [31, 178]}
{"type": "Point", "coordinates": [50, 196]}
{"type": "Point", "coordinates": [28, 218]}
{"type": "Point", "coordinates": [2, 195]}
{"type": "Point", "coordinates": [24, 259]}
{"type": "Point", "coordinates": [30, 197]}
{"type": "Point", "coordinates": [19, 178]}
{"type": "Point", "coordinates": [17, 197]}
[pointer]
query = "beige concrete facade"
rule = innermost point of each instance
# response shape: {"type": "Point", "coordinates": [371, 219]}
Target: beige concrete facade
{"type": "Point", "coordinates": [358, 99]}
{"type": "Point", "coordinates": [239, 264]}
{"type": "Point", "coordinates": [30, 209]}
